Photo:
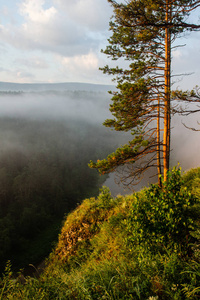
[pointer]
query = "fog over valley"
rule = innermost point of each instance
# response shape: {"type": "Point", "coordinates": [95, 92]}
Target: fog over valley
{"type": "Point", "coordinates": [49, 134]}
{"type": "Point", "coordinates": [38, 104]}
{"type": "Point", "coordinates": [48, 138]}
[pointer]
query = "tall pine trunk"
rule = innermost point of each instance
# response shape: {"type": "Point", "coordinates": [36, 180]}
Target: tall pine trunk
{"type": "Point", "coordinates": [166, 134]}
{"type": "Point", "coordinates": [158, 144]}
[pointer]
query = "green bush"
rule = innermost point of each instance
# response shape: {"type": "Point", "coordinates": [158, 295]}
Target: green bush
{"type": "Point", "coordinates": [161, 220]}
{"type": "Point", "coordinates": [192, 181]}
{"type": "Point", "coordinates": [105, 199]}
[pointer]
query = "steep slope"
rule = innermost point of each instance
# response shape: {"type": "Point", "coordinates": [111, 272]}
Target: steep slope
{"type": "Point", "coordinates": [142, 246]}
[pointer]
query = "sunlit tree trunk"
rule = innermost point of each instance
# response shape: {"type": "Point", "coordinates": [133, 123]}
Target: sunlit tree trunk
{"type": "Point", "coordinates": [166, 134]}
{"type": "Point", "coordinates": [158, 144]}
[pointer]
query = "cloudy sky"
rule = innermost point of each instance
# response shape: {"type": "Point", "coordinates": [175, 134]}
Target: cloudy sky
{"type": "Point", "coordinates": [60, 41]}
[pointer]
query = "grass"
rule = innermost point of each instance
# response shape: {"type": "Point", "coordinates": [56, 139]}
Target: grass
{"type": "Point", "coordinates": [104, 253]}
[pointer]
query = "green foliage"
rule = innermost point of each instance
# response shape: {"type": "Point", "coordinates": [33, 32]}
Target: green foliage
{"type": "Point", "coordinates": [93, 261]}
{"type": "Point", "coordinates": [192, 181]}
{"type": "Point", "coordinates": [192, 290]}
{"type": "Point", "coordinates": [105, 197]}
{"type": "Point", "coordinates": [6, 283]}
{"type": "Point", "coordinates": [123, 155]}
{"type": "Point", "coordinates": [163, 214]}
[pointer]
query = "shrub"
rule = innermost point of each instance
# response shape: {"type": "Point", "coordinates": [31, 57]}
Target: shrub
{"type": "Point", "coordinates": [105, 198]}
{"type": "Point", "coordinates": [160, 220]}
{"type": "Point", "coordinates": [192, 181]}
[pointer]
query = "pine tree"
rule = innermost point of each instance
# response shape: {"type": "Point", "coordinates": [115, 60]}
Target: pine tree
{"type": "Point", "coordinates": [143, 33]}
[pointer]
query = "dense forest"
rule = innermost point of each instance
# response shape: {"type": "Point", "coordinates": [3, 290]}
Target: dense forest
{"type": "Point", "coordinates": [47, 140]}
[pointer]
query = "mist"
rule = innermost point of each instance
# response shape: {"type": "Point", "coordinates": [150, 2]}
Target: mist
{"type": "Point", "coordinates": [89, 103]}
{"type": "Point", "coordinates": [48, 135]}
{"type": "Point", "coordinates": [89, 106]}
{"type": "Point", "coordinates": [37, 107]}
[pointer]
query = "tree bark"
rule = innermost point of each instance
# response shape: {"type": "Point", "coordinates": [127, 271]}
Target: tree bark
{"type": "Point", "coordinates": [158, 145]}
{"type": "Point", "coordinates": [166, 134]}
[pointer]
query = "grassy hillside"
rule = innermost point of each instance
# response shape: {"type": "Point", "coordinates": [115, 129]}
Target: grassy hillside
{"type": "Point", "coordinates": [142, 246]}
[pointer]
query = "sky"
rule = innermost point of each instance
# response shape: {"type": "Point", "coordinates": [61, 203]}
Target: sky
{"type": "Point", "coordinates": [60, 41]}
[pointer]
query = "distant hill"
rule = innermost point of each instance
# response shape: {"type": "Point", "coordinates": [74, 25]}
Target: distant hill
{"type": "Point", "coordinates": [30, 87]}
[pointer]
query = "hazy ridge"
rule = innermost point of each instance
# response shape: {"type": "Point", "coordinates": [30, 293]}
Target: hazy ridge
{"type": "Point", "coordinates": [71, 86]}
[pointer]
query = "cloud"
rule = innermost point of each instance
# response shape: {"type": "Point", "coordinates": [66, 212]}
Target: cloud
{"type": "Point", "coordinates": [92, 14]}
{"type": "Point", "coordinates": [176, 54]}
{"type": "Point", "coordinates": [65, 27]}
{"type": "Point", "coordinates": [4, 11]}
{"type": "Point", "coordinates": [24, 75]}
{"type": "Point", "coordinates": [69, 33]}
{"type": "Point", "coordinates": [79, 67]}
{"type": "Point", "coordinates": [43, 28]}
{"type": "Point", "coordinates": [33, 11]}
{"type": "Point", "coordinates": [3, 48]}
{"type": "Point", "coordinates": [2, 69]}
{"type": "Point", "coordinates": [86, 62]}
{"type": "Point", "coordinates": [33, 62]}
{"type": "Point", "coordinates": [186, 62]}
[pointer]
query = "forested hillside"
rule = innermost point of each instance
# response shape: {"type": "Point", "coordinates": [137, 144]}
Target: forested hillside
{"type": "Point", "coordinates": [142, 246]}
